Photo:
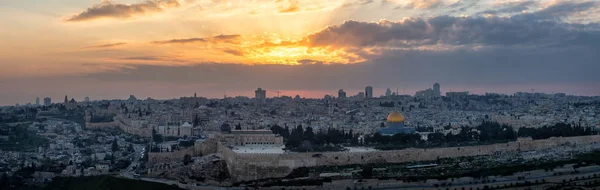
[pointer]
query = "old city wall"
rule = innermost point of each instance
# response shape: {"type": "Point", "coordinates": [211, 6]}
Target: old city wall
{"type": "Point", "coordinates": [141, 131]}
{"type": "Point", "coordinates": [158, 157]}
{"type": "Point", "coordinates": [200, 148]}
{"type": "Point", "coordinates": [209, 146]}
{"type": "Point", "coordinates": [247, 166]}
{"type": "Point", "coordinates": [100, 125]}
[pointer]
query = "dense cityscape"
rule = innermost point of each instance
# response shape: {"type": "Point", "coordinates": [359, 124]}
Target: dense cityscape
{"type": "Point", "coordinates": [195, 142]}
{"type": "Point", "coordinates": [299, 94]}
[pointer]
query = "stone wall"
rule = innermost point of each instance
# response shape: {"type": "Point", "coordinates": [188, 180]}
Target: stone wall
{"type": "Point", "coordinates": [200, 148]}
{"type": "Point", "coordinates": [141, 131]}
{"type": "Point", "coordinates": [248, 166]}
{"type": "Point", "coordinates": [100, 125]}
{"type": "Point", "coordinates": [157, 157]}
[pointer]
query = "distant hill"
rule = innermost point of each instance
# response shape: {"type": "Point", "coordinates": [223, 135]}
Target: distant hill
{"type": "Point", "coordinates": [104, 183]}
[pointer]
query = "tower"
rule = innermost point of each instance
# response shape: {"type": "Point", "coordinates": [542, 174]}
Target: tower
{"type": "Point", "coordinates": [260, 94]}
{"type": "Point", "coordinates": [341, 94]}
{"type": "Point", "coordinates": [368, 92]}
{"type": "Point", "coordinates": [47, 101]}
{"type": "Point", "coordinates": [37, 101]}
{"type": "Point", "coordinates": [436, 89]}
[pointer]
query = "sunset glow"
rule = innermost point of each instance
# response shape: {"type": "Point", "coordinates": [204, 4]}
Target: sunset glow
{"type": "Point", "coordinates": [74, 38]}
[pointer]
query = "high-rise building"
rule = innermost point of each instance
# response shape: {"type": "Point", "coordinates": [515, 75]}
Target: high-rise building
{"type": "Point", "coordinates": [388, 92]}
{"type": "Point", "coordinates": [428, 93]}
{"type": "Point", "coordinates": [341, 94]}
{"type": "Point", "coordinates": [360, 95]}
{"type": "Point", "coordinates": [436, 89]}
{"type": "Point", "coordinates": [260, 94]}
{"type": "Point", "coordinates": [87, 99]}
{"type": "Point", "coordinates": [368, 92]}
{"type": "Point", "coordinates": [37, 101]}
{"type": "Point", "coordinates": [47, 101]}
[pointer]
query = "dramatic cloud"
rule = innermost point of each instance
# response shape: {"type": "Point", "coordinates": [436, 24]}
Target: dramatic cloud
{"type": "Point", "coordinates": [453, 31]}
{"type": "Point", "coordinates": [107, 9]}
{"type": "Point", "coordinates": [231, 39]}
{"type": "Point", "coordinates": [105, 45]}
{"type": "Point", "coordinates": [562, 9]}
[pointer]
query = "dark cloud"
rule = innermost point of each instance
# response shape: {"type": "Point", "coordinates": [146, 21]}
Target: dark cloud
{"type": "Point", "coordinates": [120, 11]}
{"type": "Point", "coordinates": [453, 31]}
{"type": "Point", "coordinates": [231, 39]}
{"type": "Point", "coordinates": [105, 45]}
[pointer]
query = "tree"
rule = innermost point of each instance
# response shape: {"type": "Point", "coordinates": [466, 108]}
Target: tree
{"type": "Point", "coordinates": [196, 121]}
{"type": "Point", "coordinates": [308, 134]}
{"type": "Point", "coordinates": [187, 159]}
{"type": "Point", "coordinates": [115, 146]}
{"type": "Point", "coordinates": [130, 148]}
{"type": "Point", "coordinates": [367, 171]}
{"type": "Point", "coordinates": [238, 127]}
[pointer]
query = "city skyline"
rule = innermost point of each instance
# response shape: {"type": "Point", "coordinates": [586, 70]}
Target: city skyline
{"type": "Point", "coordinates": [171, 48]}
{"type": "Point", "coordinates": [272, 93]}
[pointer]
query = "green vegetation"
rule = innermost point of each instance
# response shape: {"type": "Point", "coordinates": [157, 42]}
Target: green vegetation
{"type": "Point", "coordinates": [104, 182]}
{"type": "Point", "coordinates": [304, 140]}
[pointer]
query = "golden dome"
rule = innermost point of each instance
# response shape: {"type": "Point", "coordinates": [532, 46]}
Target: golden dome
{"type": "Point", "coordinates": [395, 117]}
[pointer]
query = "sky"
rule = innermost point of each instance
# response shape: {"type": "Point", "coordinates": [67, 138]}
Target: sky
{"type": "Point", "coordinates": [173, 48]}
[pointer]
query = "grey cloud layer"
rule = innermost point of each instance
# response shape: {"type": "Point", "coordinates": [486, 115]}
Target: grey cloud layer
{"type": "Point", "coordinates": [455, 31]}
{"type": "Point", "coordinates": [120, 11]}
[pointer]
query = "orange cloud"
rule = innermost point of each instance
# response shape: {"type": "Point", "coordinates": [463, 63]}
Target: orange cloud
{"type": "Point", "coordinates": [231, 39]}
{"type": "Point", "coordinates": [107, 9]}
{"type": "Point", "coordinates": [105, 45]}
{"type": "Point", "coordinates": [289, 7]}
